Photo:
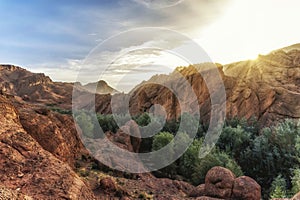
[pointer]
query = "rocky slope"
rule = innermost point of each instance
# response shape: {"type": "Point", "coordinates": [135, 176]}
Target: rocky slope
{"type": "Point", "coordinates": [39, 88]}
{"type": "Point", "coordinates": [29, 169]}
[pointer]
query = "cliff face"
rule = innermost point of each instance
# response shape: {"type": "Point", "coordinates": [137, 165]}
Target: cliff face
{"type": "Point", "coordinates": [29, 169]}
{"type": "Point", "coordinates": [267, 88]}
{"type": "Point", "coordinates": [271, 83]}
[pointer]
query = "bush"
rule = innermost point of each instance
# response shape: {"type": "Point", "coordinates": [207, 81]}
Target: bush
{"type": "Point", "coordinates": [159, 141]}
{"type": "Point", "coordinates": [84, 121]}
{"type": "Point", "coordinates": [272, 153]}
{"type": "Point", "coordinates": [107, 123]}
{"type": "Point", "coordinates": [189, 159]}
{"type": "Point", "coordinates": [296, 181]}
{"type": "Point", "coordinates": [278, 188]}
{"type": "Point", "coordinates": [234, 140]}
{"type": "Point", "coordinates": [211, 160]}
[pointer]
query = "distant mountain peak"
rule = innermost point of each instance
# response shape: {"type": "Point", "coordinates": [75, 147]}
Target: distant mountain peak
{"type": "Point", "coordinates": [101, 87]}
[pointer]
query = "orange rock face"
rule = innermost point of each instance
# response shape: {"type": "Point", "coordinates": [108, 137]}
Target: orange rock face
{"type": "Point", "coordinates": [267, 88]}
{"type": "Point", "coordinates": [28, 168]}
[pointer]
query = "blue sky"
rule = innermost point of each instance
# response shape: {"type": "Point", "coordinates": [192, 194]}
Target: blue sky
{"type": "Point", "coordinates": [55, 37]}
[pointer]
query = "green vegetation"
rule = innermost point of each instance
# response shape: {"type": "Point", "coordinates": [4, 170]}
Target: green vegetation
{"type": "Point", "coordinates": [53, 107]}
{"type": "Point", "coordinates": [278, 188]}
{"type": "Point", "coordinates": [270, 155]}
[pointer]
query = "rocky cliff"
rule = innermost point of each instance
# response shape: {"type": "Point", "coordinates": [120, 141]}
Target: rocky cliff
{"type": "Point", "coordinates": [267, 88]}
{"type": "Point", "coordinates": [29, 169]}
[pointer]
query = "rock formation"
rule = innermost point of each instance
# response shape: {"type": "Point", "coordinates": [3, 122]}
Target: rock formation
{"type": "Point", "coordinates": [221, 183]}
{"type": "Point", "coordinates": [267, 88]}
{"type": "Point", "coordinates": [29, 169]}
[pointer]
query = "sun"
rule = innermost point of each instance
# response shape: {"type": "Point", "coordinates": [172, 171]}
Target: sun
{"type": "Point", "coordinates": [248, 28]}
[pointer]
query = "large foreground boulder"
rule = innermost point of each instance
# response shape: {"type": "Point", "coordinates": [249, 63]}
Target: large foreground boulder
{"type": "Point", "coordinates": [245, 188]}
{"type": "Point", "coordinates": [219, 182]}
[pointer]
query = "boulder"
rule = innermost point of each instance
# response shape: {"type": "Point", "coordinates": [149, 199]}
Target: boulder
{"type": "Point", "coordinates": [107, 184]}
{"type": "Point", "coordinates": [296, 197]}
{"type": "Point", "coordinates": [219, 182]}
{"type": "Point", "coordinates": [207, 198]}
{"type": "Point", "coordinates": [245, 188]}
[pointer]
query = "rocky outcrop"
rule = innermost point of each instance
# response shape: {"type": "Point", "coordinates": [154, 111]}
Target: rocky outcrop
{"type": "Point", "coordinates": [108, 185]}
{"type": "Point", "coordinates": [246, 188]}
{"type": "Point", "coordinates": [7, 194]}
{"type": "Point", "coordinates": [267, 88]}
{"type": "Point", "coordinates": [55, 132]}
{"type": "Point", "coordinates": [27, 168]}
{"type": "Point", "coordinates": [198, 191]}
{"type": "Point", "coordinates": [221, 183]}
{"type": "Point", "coordinates": [39, 88]}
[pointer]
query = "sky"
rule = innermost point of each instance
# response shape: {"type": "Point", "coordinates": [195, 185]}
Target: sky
{"type": "Point", "coordinates": [103, 39]}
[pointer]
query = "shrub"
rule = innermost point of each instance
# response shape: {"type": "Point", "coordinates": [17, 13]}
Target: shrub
{"type": "Point", "coordinates": [84, 121]}
{"type": "Point", "coordinates": [296, 181]}
{"type": "Point", "coordinates": [278, 188]}
{"type": "Point", "coordinates": [211, 160]}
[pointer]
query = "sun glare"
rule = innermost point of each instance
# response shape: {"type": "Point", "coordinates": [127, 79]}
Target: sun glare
{"type": "Point", "coordinates": [249, 28]}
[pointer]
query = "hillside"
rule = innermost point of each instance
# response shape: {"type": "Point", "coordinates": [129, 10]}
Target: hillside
{"type": "Point", "coordinates": [42, 155]}
{"type": "Point", "coordinates": [267, 88]}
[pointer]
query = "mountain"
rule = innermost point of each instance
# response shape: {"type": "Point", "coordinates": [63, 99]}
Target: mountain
{"type": "Point", "coordinates": [42, 156]}
{"type": "Point", "coordinates": [39, 88]}
{"type": "Point", "coordinates": [267, 88]}
{"type": "Point", "coordinates": [101, 87]}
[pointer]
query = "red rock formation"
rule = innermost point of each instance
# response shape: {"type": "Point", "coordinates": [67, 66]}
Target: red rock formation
{"type": "Point", "coordinates": [55, 132]}
{"type": "Point", "coordinates": [219, 182]}
{"type": "Point", "coordinates": [108, 185]}
{"type": "Point", "coordinates": [28, 168]}
{"type": "Point", "coordinates": [246, 188]}
{"type": "Point", "coordinates": [267, 88]}
{"type": "Point", "coordinates": [198, 191]}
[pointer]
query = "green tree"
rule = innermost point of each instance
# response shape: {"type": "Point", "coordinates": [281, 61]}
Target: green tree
{"type": "Point", "coordinates": [85, 122]}
{"type": "Point", "coordinates": [234, 140]}
{"type": "Point", "coordinates": [189, 159]}
{"type": "Point", "coordinates": [159, 141]}
{"type": "Point", "coordinates": [211, 160]}
{"type": "Point", "coordinates": [107, 123]}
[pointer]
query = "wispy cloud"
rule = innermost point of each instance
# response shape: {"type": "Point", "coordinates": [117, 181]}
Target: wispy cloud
{"type": "Point", "coordinates": [55, 37]}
